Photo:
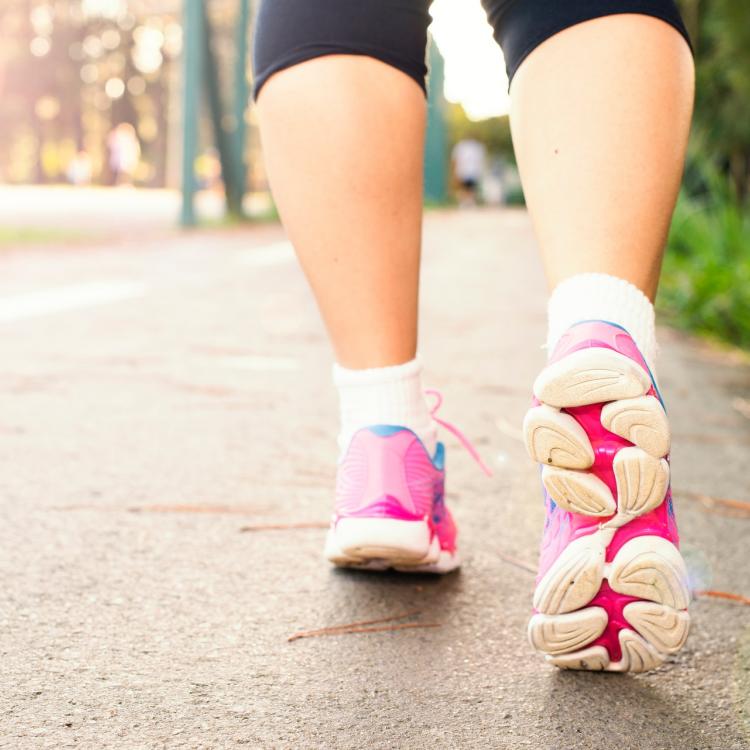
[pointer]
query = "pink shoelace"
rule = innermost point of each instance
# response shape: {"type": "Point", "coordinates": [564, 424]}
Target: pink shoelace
{"type": "Point", "coordinates": [455, 431]}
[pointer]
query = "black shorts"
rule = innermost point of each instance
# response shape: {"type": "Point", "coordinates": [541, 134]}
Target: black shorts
{"type": "Point", "coordinates": [289, 32]}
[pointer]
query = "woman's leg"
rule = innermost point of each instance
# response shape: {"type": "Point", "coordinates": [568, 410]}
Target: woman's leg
{"type": "Point", "coordinates": [343, 140]}
{"type": "Point", "coordinates": [341, 106]}
{"type": "Point", "coordinates": [342, 114]}
{"type": "Point", "coordinates": [600, 117]}
{"type": "Point", "coordinates": [340, 91]}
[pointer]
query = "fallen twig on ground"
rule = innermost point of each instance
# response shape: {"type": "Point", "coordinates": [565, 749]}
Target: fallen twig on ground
{"type": "Point", "coordinates": [711, 593]}
{"type": "Point", "coordinates": [204, 509]}
{"type": "Point", "coordinates": [728, 595]}
{"type": "Point", "coordinates": [285, 526]}
{"type": "Point", "coordinates": [742, 405]}
{"type": "Point", "coordinates": [218, 509]}
{"type": "Point", "coordinates": [361, 626]}
{"type": "Point", "coordinates": [740, 508]}
{"type": "Point", "coordinates": [518, 563]}
{"type": "Point", "coordinates": [380, 629]}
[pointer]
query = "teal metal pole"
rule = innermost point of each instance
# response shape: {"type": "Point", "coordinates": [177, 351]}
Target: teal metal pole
{"type": "Point", "coordinates": [223, 137]}
{"type": "Point", "coordinates": [241, 93]}
{"type": "Point", "coordinates": [436, 143]}
{"type": "Point", "coordinates": [191, 93]}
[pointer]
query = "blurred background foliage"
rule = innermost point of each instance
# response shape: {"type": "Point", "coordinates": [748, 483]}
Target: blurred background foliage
{"type": "Point", "coordinates": [72, 71]}
{"type": "Point", "coordinates": [494, 132]}
{"type": "Point", "coordinates": [706, 281]}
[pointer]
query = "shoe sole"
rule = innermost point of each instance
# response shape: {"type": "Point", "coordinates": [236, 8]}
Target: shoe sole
{"type": "Point", "coordinates": [387, 543]}
{"type": "Point", "coordinates": [648, 567]}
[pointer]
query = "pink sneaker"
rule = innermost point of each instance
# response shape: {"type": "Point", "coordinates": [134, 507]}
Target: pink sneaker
{"type": "Point", "coordinates": [612, 589]}
{"type": "Point", "coordinates": [390, 508]}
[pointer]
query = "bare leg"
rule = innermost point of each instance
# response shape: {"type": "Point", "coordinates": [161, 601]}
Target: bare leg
{"type": "Point", "coordinates": [601, 114]}
{"type": "Point", "coordinates": [600, 118]}
{"type": "Point", "coordinates": [343, 138]}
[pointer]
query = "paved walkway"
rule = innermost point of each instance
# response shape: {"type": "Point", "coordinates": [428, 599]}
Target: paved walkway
{"type": "Point", "coordinates": [162, 404]}
{"type": "Point", "coordinates": [99, 211]}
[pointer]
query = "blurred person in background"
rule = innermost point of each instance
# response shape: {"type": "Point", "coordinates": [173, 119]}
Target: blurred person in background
{"type": "Point", "coordinates": [124, 153]}
{"type": "Point", "coordinates": [80, 169]}
{"type": "Point", "coordinates": [208, 170]}
{"type": "Point", "coordinates": [601, 102]}
{"type": "Point", "coordinates": [468, 158]}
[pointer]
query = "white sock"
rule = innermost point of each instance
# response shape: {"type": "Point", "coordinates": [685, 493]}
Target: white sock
{"type": "Point", "coordinates": [599, 296]}
{"type": "Point", "coordinates": [384, 395]}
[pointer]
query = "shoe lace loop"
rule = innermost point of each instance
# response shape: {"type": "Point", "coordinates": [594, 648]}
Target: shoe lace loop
{"type": "Point", "coordinates": [455, 431]}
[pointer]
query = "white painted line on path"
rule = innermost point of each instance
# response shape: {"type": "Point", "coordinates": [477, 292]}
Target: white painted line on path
{"type": "Point", "coordinates": [268, 255]}
{"type": "Point", "coordinates": [64, 298]}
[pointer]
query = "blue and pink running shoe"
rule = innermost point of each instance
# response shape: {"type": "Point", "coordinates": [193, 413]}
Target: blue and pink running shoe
{"type": "Point", "coordinates": [390, 502]}
{"type": "Point", "coordinates": [612, 590]}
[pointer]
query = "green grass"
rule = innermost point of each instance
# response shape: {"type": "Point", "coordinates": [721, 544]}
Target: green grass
{"type": "Point", "coordinates": [705, 286]}
{"type": "Point", "coordinates": [20, 236]}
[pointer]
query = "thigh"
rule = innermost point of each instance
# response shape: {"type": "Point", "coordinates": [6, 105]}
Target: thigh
{"type": "Point", "coordinates": [288, 32]}
{"type": "Point", "coordinates": [522, 25]}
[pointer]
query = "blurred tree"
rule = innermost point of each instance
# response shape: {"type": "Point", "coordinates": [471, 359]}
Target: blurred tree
{"type": "Point", "coordinates": [72, 70]}
{"type": "Point", "coordinates": [493, 132]}
{"type": "Point", "coordinates": [706, 274]}
{"type": "Point", "coordinates": [720, 30]}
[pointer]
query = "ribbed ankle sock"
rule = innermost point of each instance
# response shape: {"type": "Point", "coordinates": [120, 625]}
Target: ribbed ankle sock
{"type": "Point", "coordinates": [384, 395]}
{"type": "Point", "coordinates": [599, 296]}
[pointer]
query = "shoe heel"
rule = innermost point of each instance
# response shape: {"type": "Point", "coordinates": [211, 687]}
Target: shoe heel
{"type": "Point", "coordinates": [391, 540]}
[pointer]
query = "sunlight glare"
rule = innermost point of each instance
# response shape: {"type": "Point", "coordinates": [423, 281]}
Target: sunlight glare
{"type": "Point", "coordinates": [474, 67]}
